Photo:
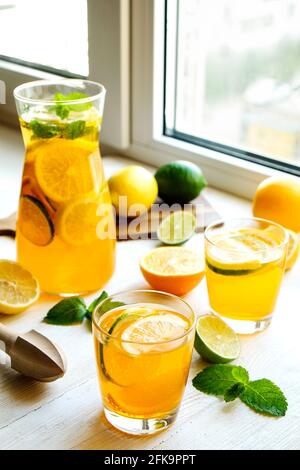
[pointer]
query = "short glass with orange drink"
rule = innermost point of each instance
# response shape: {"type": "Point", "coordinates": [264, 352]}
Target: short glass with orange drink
{"type": "Point", "coordinates": [60, 238]}
{"type": "Point", "coordinates": [143, 345]}
{"type": "Point", "coordinates": [245, 261]}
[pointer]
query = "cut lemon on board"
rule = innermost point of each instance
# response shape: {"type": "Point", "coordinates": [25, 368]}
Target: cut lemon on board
{"type": "Point", "coordinates": [68, 169]}
{"type": "Point", "coordinates": [176, 270]}
{"type": "Point", "coordinates": [154, 330]}
{"type": "Point", "coordinates": [177, 228]}
{"type": "Point", "coordinates": [293, 249]}
{"type": "Point", "coordinates": [215, 341]}
{"type": "Point", "coordinates": [18, 288]}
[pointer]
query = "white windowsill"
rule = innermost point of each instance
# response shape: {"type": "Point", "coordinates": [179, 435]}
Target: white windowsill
{"type": "Point", "coordinates": [204, 422]}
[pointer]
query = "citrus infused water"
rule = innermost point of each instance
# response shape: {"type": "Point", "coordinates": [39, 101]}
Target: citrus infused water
{"type": "Point", "coordinates": [62, 194]}
{"type": "Point", "coordinates": [244, 270]}
{"type": "Point", "coordinates": [143, 361]}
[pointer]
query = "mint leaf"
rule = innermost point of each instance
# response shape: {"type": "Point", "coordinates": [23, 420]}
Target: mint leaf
{"type": "Point", "coordinates": [74, 130]}
{"type": "Point", "coordinates": [43, 131]}
{"type": "Point", "coordinates": [264, 397]}
{"type": "Point", "coordinates": [215, 380]}
{"type": "Point", "coordinates": [110, 305]}
{"type": "Point", "coordinates": [240, 374]}
{"type": "Point", "coordinates": [63, 110]}
{"type": "Point", "coordinates": [232, 382]}
{"type": "Point", "coordinates": [94, 304]}
{"type": "Point", "coordinates": [67, 312]}
{"type": "Point", "coordinates": [233, 392]}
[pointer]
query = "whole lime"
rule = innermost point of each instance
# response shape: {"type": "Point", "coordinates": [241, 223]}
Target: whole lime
{"type": "Point", "coordinates": [180, 182]}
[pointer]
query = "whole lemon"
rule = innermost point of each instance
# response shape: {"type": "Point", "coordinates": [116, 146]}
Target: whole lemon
{"type": "Point", "coordinates": [135, 183]}
{"type": "Point", "coordinates": [278, 199]}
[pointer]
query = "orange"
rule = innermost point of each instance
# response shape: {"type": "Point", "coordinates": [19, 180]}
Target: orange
{"type": "Point", "coordinates": [176, 270]}
{"type": "Point", "coordinates": [67, 169]}
{"type": "Point", "coordinates": [278, 199]}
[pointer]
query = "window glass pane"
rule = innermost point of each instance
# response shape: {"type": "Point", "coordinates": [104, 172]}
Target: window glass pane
{"type": "Point", "coordinates": [233, 74]}
{"type": "Point", "coordinates": [50, 33]}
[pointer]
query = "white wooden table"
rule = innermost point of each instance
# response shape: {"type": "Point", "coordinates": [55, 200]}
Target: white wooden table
{"type": "Point", "coordinates": [67, 414]}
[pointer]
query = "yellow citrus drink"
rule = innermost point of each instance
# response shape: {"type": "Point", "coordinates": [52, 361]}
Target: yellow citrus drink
{"type": "Point", "coordinates": [143, 362]}
{"type": "Point", "coordinates": [62, 194]}
{"type": "Point", "coordinates": [244, 270]}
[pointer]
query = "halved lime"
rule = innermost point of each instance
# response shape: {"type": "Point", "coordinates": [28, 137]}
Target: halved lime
{"type": "Point", "coordinates": [177, 228]}
{"type": "Point", "coordinates": [215, 341]}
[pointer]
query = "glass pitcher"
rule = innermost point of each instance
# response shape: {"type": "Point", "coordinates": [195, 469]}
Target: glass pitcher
{"type": "Point", "coordinates": [65, 227]}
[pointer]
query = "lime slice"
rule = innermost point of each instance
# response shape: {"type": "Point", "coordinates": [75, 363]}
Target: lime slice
{"type": "Point", "coordinates": [153, 330]}
{"type": "Point", "coordinates": [177, 228]}
{"type": "Point", "coordinates": [215, 341]}
{"type": "Point", "coordinates": [130, 312]}
{"type": "Point", "coordinates": [35, 222]}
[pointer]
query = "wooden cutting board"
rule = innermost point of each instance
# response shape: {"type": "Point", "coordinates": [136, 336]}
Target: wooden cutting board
{"type": "Point", "coordinates": [145, 226]}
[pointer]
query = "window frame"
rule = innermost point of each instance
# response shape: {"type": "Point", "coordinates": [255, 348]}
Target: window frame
{"type": "Point", "coordinates": [127, 55]}
{"type": "Point", "coordinates": [149, 140]}
{"type": "Point", "coordinates": [109, 64]}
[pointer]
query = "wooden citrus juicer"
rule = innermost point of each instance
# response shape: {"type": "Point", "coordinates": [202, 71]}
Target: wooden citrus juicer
{"type": "Point", "coordinates": [33, 355]}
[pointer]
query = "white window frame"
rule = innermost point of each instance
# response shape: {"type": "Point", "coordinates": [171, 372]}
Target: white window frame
{"type": "Point", "coordinates": [109, 64]}
{"type": "Point", "coordinates": [126, 54]}
{"type": "Point", "coordinates": [148, 143]}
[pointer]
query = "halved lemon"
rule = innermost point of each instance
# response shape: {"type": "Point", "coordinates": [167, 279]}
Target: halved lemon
{"type": "Point", "coordinates": [154, 330]}
{"type": "Point", "coordinates": [293, 249]}
{"type": "Point", "coordinates": [175, 270]}
{"type": "Point", "coordinates": [18, 288]}
{"type": "Point", "coordinates": [67, 169]}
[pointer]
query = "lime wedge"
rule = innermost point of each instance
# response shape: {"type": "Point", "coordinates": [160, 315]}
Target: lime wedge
{"type": "Point", "coordinates": [215, 341]}
{"type": "Point", "coordinates": [176, 228]}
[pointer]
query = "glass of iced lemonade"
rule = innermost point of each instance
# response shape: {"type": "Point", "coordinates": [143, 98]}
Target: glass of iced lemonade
{"type": "Point", "coordinates": [245, 261]}
{"type": "Point", "coordinates": [143, 344]}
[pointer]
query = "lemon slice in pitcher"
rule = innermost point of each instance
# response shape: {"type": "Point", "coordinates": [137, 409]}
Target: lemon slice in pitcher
{"type": "Point", "coordinates": [18, 288]}
{"type": "Point", "coordinates": [67, 169]}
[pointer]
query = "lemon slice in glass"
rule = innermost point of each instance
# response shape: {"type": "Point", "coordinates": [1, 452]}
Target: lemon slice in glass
{"type": "Point", "coordinates": [154, 331]}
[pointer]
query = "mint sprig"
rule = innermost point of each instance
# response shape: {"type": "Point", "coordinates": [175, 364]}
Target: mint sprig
{"type": "Point", "coordinates": [62, 110]}
{"type": "Point", "coordinates": [232, 382]}
{"type": "Point", "coordinates": [72, 130]}
{"type": "Point", "coordinates": [74, 310]}
{"type": "Point", "coordinates": [44, 131]}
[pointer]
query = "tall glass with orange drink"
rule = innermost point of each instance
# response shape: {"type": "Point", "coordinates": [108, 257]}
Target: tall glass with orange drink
{"type": "Point", "coordinates": [64, 195]}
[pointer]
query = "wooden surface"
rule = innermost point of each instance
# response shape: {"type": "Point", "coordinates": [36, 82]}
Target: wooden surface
{"type": "Point", "coordinates": [145, 225]}
{"type": "Point", "coordinates": [67, 414]}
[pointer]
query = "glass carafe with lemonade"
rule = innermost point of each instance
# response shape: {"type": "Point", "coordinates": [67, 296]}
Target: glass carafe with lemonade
{"type": "Point", "coordinates": [65, 227]}
{"type": "Point", "coordinates": [143, 343]}
{"type": "Point", "coordinates": [245, 261]}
